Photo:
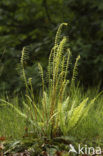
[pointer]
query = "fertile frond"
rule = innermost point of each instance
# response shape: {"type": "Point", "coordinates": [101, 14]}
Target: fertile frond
{"type": "Point", "coordinates": [23, 57]}
{"type": "Point", "coordinates": [44, 101]}
{"type": "Point", "coordinates": [50, 64]}
{"type": "Point", "coordinates": [42, 74]}
{"type": "Point", "coordinates": [57, 60]}
{"type": "Point", "coordinates": [67, 63]}
{"type": "Point", "coordinates": [75, 71]}
{"type": "Point", "coordinates": [57, 38]}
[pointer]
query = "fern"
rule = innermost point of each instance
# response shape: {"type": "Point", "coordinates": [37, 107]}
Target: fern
{"type": "Point", "coordinates": [42, 75]}
{"type": "Point", "coordinates": [67, 63]}
{"type": "Point", "coordinates": [75, 73]}
{"type": "Point", "coordinates": [57, 38]}
{"type": "Point", "coordinates": [24, 56]}
{"type": "Point", "coordinates": [77, 114]}
{"type": "Point", "coordinates": [56, 111]}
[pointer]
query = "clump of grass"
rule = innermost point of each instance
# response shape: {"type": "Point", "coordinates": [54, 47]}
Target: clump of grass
{"type": "Point", "coordinates": [12, 125]}
{"type": "Point", "coordinates": [56, 113]}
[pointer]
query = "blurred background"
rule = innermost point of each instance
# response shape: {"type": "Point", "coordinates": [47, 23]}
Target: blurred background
{"type": "Point", "coordinates": [33, 23]}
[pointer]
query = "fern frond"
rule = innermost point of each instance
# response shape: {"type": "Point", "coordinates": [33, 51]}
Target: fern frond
{"type": "Point", "coordinates": [77, 114]}
{"type": "Point", "coordinates": [65, 83]}
{"type": "Point", "coordinates": [75, 71]}
{"type": "Point", "coordinates": [25, 55]}
{"type": "Point", "coordinates": [44, 104]}
{"type": "Point", "coordinates": [34, 105]}
{"type": "Point", "coordinates": [57, 60]}
{"type": "Point", "coordinates": [65, 104]}
{"type": "Point", "coordinates": [22, 69]}
{"type": "Point", "coordinates": [67, 63]}
{"type": "Point", "coordinates": [57, 38]}
{"type": "Point", "coordinates": [42, 75]}
{"type": "Point", "coordinates": [50, 63]}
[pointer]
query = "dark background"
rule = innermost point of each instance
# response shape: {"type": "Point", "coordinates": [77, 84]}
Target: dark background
{"type": "Point", "coordinates": [33, 23]}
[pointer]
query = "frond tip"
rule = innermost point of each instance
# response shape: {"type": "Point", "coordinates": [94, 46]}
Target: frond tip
{"type": "Point", "coordinates": [57, 38]}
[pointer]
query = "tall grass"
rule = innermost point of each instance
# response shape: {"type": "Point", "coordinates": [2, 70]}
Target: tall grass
{"type": "Point", "coordinates": [57, 113]}
{"type": "Point", "coordinates": [12, 125]}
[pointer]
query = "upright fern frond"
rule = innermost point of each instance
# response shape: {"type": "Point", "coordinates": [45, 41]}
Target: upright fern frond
{"type": "Point", "coordinates": [75, 71]}
{"type": "Point", "coordinates": [44, 104]}
{"type": "Point", "coordinates": [63, 88]}
{"type": "Point", "coordinates": [57, 60]}
{"type": "Point", "coordinates": [57, 38]}
{"type": "Point", "coordinates": [42, 75]}
{"type": "Point", "coordinates": [50, 65]}
{"type": "Point", "coordinates": [23, 56]}
{"type": "Point", "coordinates": [67, 63]}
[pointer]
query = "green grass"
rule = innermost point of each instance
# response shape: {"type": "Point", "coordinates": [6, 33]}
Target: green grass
{"type": "Point", "coordinates": [11, 124]}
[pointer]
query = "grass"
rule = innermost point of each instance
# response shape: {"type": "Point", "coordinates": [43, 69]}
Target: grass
{"type": "Point", "coordinates": [62, 110]}
{"type": "Point", "coordinates": [12, 126]}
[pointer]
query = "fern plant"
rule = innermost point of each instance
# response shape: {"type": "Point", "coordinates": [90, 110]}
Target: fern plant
{"type": "Point", "coordinates": [61, 116]}
{"type": "Point", "coordinates": [55, 112]}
